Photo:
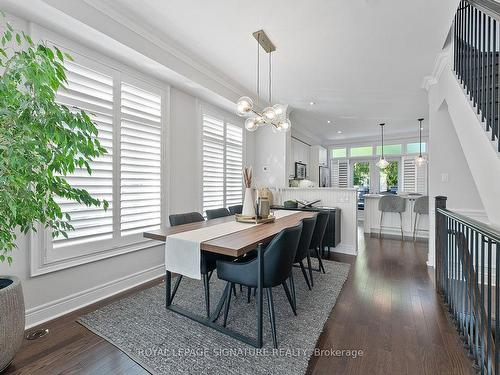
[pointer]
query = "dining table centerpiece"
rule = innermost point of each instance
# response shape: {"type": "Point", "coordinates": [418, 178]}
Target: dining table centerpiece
{"type": "Point", "coordinates": [249, 198]}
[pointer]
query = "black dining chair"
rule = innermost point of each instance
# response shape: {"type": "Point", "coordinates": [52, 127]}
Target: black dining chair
{"type": "Point", "coordinates": [317, 241]}
{"type": "Point", "coordinates": [238, 209]}
{"type": "Point", "coordinates": [303, 252]}
{"type": "Point", "coordinates": [208, 260]}
{"type": "Point", "coordinates": [217, 212]}
{"type": "Point", "coordinates": [278, 260]}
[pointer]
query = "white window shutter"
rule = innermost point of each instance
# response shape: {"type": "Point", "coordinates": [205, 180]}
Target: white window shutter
{"type": "Point", "coordinates": [414, 177]}
{"type": "Point", "coordinates": [409, 175]}
{"type": "Point", "coordinates": [213, 163]}
{"type": "Point", "coordinates": [140, 160]}
{"type": "Point", "coordinates": [234, 165]}
{"type": "Point", "coordinates": [222, 163]}
{"type": "Point", "coordinates": [91, 91]}
{"type": "Point", "coordinates": [340, 173]}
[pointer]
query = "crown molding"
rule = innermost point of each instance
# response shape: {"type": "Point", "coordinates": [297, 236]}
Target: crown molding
{"type": "Point", "coordinates": [167, 44]}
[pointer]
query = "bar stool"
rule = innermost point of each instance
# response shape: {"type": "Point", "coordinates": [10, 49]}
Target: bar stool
{"type": "Point", "coordinates": [392, 203]}
{"type": "Point", "coordinates": [421, 207]}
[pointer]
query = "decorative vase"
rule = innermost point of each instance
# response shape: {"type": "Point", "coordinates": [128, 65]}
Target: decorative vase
{"type": "Point", "coordinates": [11, 319]}
{"type": "Point", "coordinates": [248, 203]}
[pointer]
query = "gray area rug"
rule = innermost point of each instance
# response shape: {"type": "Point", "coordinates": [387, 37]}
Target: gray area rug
{"type": "Point", "coordinates": [166, 343]}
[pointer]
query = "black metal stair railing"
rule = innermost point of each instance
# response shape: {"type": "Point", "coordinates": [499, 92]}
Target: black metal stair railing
{"type": "Point", "coordinates": [468, 277]}
{"type": "Point", "coordinates": [476, 58]}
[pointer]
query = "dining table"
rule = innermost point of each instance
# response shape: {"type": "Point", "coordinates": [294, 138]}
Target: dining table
{"type": "Point", "coordinates": [236, 244]}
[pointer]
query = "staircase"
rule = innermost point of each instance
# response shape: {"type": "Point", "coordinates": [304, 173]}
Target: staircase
{"type": "Point", "coordinates": [468, 82]}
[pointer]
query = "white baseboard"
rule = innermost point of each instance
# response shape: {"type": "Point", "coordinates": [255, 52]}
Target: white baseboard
{"type": "Point", "coordinates": [65, 305]}
{"type": "Point", "coordinates": [345, 249]}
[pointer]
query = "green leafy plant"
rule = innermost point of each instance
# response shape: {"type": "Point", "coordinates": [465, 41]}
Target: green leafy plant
{"type": "Point", "coordinates": [41, 141]}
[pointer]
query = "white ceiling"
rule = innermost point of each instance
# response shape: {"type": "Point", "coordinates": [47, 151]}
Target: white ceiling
{"type": "Point", "coordinates": [362, 61]}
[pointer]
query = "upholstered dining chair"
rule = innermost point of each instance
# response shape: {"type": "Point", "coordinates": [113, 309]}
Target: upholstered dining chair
{"type": "Point", "coordinates": [317, 242]}
{"type": "Point", "coordinates": [421, 207]}
{"type": "Point", "coordinates": [278, 260]}
{"type": "Point", "coordinates": [208, 260]}
{"type": "Point", "coordinates": [303, 252]}
{"type": "Point", "coordinates": [217, 212]}
{"type": "Point", "coordinates": [392, 203]}
{"type": "Point", "coordinates": [238, 209]}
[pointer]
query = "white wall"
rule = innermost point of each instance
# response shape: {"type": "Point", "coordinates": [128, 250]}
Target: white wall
{"type": "Point", "coordinates": [185, 182]}
{"type": "Point", "coordinates": [57, 293]}
{"type": "Point", "coordinates": [271, 155]}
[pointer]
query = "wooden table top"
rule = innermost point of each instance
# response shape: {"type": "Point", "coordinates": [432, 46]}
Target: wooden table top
{"type": "Point", "coordinates": [238, 243]}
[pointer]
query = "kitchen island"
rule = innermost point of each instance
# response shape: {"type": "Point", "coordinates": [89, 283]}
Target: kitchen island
{"type": "Point", "coordinates": [391, 224]}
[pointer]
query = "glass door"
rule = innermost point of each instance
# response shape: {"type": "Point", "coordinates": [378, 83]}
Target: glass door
{"type": "Point", "coordinates": [361, 180]}
{"type": "Point", "coordinates": [389, 178]}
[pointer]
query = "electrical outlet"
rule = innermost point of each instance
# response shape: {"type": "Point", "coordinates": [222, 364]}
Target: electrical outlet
{"type": "Point", "coordinates": [444, 177]}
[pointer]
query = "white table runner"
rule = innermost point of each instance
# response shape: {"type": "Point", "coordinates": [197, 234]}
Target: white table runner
{"type": "Point", "coordinates": [182, 250]}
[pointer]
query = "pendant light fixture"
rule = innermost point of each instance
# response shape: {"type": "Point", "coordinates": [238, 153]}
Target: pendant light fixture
{"type": "Point", "coordinates": [274, 115]}
{"type": "Point", "coordinates": [382, 163]}
{"type": "Point", "coordinates": [420, 160]}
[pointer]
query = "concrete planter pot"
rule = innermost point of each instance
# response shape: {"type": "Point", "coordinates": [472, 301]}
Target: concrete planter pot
{"type": "Point", "coordinates": [11, 319]}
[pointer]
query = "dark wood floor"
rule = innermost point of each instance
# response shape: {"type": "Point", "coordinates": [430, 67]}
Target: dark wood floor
{"type": "Point", "coordinates": [387, 309]}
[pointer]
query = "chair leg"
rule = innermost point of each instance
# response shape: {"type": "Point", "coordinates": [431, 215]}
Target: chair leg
{"type": "Point", "coordinates": [233, 287]}
{"type": "Point", "coordinates": [206, 283]}
{"type": "Point", "coordinates": [249, 292]}
{"type": "Point", "coordinates": [310, 269]}
{"type": "Point", "coordinates": [305, 275]}
{"type": "Point", "coordinates": [241, 288]}
{"type": "Point", "coordinates": [289, 297]}
{"type": "Point", "coordinates": [401, 223]}
{"type": "Point", "coordinates": [380, 226]}
{"type": "Point", "coordinates": [320, 267]}
{"type": "Point", "coordinates": [292, 288]}
{"type": "Point", "coordinates": [220, 305]}
{"type": "Point", "coordinates": [415, 228]}
{"type": "Point", "coordinates": [270, 304]}
{"type": "Point", "coordinates": [228, 302]}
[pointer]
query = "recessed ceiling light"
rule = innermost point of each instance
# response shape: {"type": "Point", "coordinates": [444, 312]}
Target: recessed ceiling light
{"type": "Point", "coordinates": [339, 132]}
{"type": "Point", "coordinates": [329, 122]}
{"type": "Point", "coordinates": [311, 103]}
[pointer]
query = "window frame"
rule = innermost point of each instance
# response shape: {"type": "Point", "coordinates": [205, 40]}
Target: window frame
{"type": "Point", "coordinates": [226, 118]}
{"type": "Point", "coordinates": [43, 257]}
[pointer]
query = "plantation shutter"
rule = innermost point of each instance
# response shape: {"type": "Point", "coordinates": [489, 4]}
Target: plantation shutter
{"type": "Point", "coordinates": [140, 160]}
{"type": "Point", "coordinates": [213, 163]}
{"type": "Point", "coordinates": [414, 177]}
{"type": "Point", "coordinates": [340, 173]}
{"type": "Point", "coordinates": [91, 91]}
{"type": "Point", "coordinates": [409, 175]}
{"type": "Point", "coordinates": [234, 165]}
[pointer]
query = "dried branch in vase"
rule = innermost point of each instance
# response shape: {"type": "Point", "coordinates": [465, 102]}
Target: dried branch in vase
{"type": "Point", "coordinates": [247, 176]}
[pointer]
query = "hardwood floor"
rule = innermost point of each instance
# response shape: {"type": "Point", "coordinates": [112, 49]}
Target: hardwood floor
{"type": "Point", "coordinates": [388, 309]}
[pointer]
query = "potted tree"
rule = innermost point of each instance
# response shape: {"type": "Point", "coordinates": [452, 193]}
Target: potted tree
{"type": "Point", "coordinates": [41, 142]}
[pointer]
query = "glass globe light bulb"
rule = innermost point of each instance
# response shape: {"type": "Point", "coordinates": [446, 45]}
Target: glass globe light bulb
{"type": "Point", "coordinates": [285, 125]}
{"type": "Point", "coordinates": [279, 109]}
{"type": "Point", "coordinates": [269, 114]}
{"type": "Point", "coordinates": [244, 105]}
{"type": "Point", "coordinates": [251, 124]}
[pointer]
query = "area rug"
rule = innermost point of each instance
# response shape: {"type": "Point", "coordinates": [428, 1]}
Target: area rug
{"type": "Point", "coordinates": [163, 342]}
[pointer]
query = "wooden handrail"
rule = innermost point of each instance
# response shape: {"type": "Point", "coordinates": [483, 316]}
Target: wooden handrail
{"type": "Point", "coordinates": [485, 229]}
